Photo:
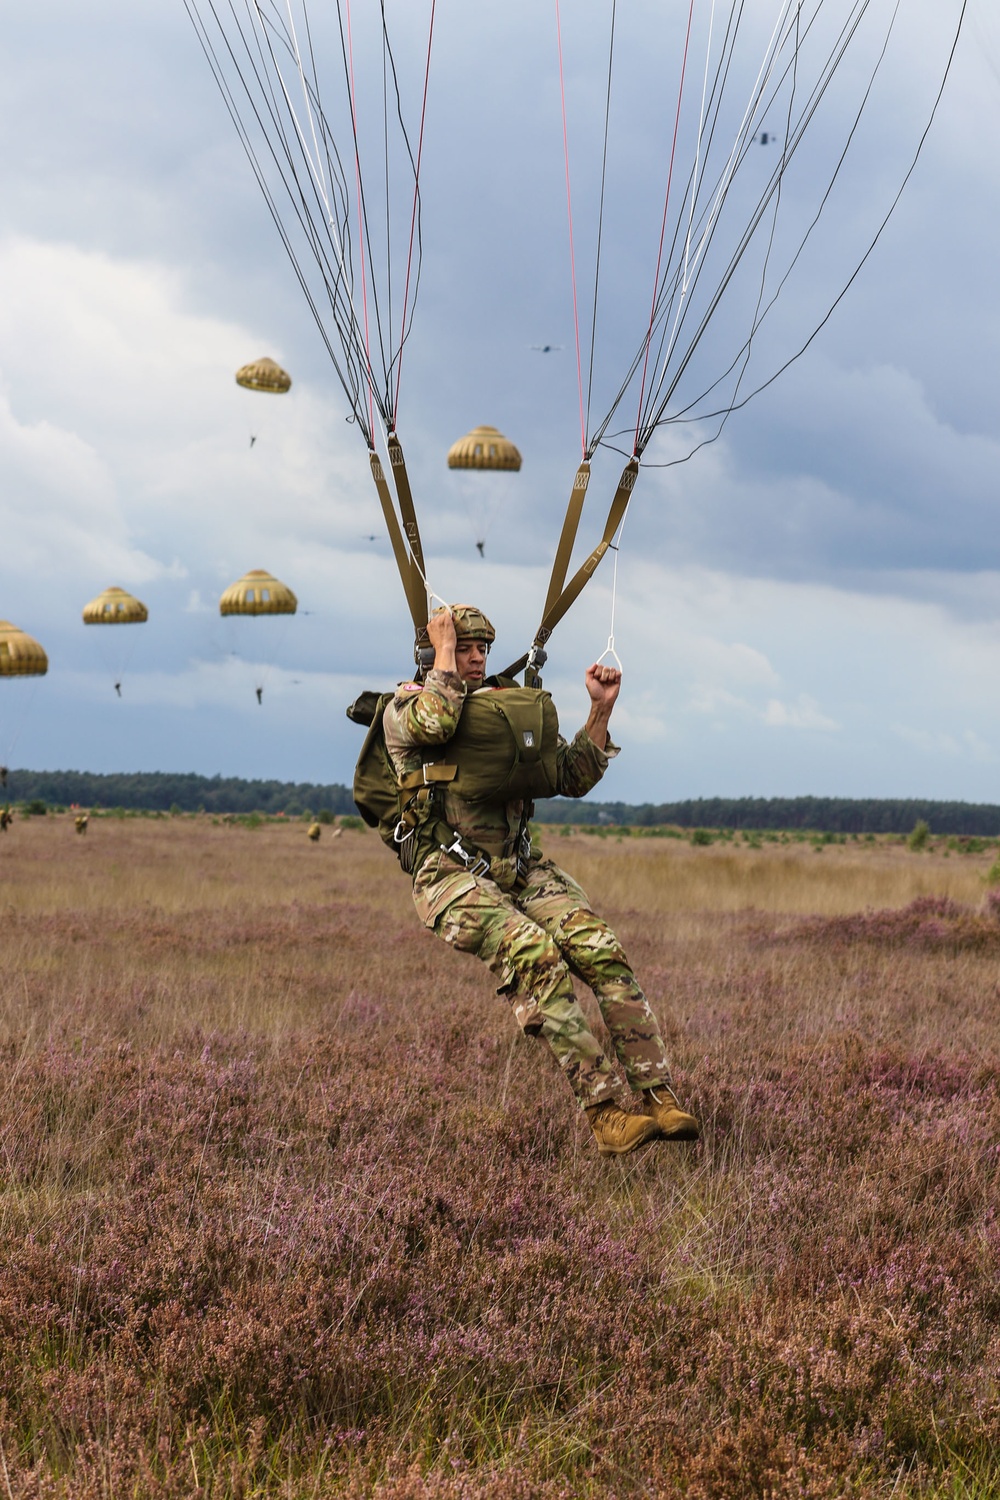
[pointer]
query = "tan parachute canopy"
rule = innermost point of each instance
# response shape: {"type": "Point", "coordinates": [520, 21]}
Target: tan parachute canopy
{"type": "Point", "coordinates": [264, 375]}
{"type": "Point", "coordinates": [20, 654]}
{"type": "Point", "coordinates": [258, 593]}
{"type": "Point", "coordinates": [115, 607]}
{"type": "Point", "coordinates": [484, 448]}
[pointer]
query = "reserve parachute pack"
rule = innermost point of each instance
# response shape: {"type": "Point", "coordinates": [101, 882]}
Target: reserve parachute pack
{"type": "Point", "coordinates": [505, 748]}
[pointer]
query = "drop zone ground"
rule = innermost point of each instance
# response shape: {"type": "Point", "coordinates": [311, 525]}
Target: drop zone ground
{"type": "Point", "coordinates": [288, 1207]}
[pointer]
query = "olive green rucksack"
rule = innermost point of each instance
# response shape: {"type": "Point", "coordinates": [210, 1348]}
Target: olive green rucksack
{"type": "Point", "coordinates": [376, 793]}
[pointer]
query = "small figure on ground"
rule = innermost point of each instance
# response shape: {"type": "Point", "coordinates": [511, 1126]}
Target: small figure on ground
{"type": "Point", "coordinates": [80, 822]}
{"type": "Point", "coordinates": [481, 886]}
{"type": "Point", "coordinates": [314, 832]}
{"type": "Point", "coordinates": [6, 818]}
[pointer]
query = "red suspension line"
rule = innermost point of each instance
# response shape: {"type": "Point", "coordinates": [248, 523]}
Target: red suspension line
{"type": "Point", "coordinates": [569, 212]}
{"type": "Point", "coordinates": [663, 226]}
{"type": "Point", "coordinates": [413, 215]}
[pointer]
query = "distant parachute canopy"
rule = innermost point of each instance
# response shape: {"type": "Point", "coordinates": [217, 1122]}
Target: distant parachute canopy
{"type": "Point", "coordinates": [484, 448]}
{"type": "Point", "coordinates": [115, 607]}
{"type": "Point", "coordinates": [20, 654]}
{"type": "Point", "coordinates": [258, 593]}
{"type": "Point", "coordinates": [264, 375]}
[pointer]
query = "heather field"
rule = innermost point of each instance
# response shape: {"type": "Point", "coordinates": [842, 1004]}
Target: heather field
{"type": "Point", "coordinates": [288, 1207]}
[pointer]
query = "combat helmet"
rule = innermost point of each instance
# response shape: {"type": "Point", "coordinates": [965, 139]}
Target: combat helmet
{"type": "Point", "coordinates": [470, 625]}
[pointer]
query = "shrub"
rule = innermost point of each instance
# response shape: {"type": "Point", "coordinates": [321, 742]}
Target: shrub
{"type": "Point", "coordinates": [918, 838]}
{"type": "Point", "coordinates": [350, 821]}
{"type": "Point", "coordinates": [701, 836]}
{"type": "Point", "coordinates": [36, 808]}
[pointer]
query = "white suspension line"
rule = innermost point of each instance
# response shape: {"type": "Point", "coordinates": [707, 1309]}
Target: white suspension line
{"type": "Point", "coordinates": [691, 262]}
{"type": "Point", "coordinates": [319, 181]}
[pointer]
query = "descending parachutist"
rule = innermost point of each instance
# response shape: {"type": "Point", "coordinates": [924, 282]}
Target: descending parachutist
{"type": "Point", "coordinates": [253, 438]}
{"type": "Point", "coordinates": [481, 546]}
{"type": "Point", "coordinates": [546, 348]}
{"type": "Point", "coordinates": [118, 688]}
{"type": "Point", "coordinates": [3, 775]}
{"type": "Point", "coordinates": [764, 138]}
{"type": "Point", "coordinates": [260, 694]}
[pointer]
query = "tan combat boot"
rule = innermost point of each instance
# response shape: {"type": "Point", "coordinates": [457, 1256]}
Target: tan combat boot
{"type": "Point", "coordinates": [616, 1132]}
{"type": "Point", "coordinates": [661, 1105]}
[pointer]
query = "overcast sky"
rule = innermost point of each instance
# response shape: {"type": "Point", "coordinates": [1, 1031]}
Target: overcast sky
{"type": "Point", "coordinates": [810, 605]}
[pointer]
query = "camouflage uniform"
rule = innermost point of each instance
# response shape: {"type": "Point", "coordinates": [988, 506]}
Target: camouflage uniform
{"type": "Point", "coordinates": [536, 937]}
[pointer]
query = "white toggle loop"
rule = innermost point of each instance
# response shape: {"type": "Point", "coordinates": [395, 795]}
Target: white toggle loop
{"type": "Point", "coordinates": [609, 650]}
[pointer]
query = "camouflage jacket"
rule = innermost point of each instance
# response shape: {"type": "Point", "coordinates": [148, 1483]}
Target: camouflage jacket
{"type": "Point", "coordinates": [428, 714]}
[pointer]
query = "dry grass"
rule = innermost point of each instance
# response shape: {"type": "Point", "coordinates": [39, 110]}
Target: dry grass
{"type": "Point", "coordinates": [675, 876]}
{"type": "Point", "coordinates": [288, 1207]}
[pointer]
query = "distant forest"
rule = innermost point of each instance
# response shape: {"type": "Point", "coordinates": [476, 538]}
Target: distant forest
{"type": "Point", "coordinates": [163, 792]}
{"type": "Point", "coordinates": [815, 814]}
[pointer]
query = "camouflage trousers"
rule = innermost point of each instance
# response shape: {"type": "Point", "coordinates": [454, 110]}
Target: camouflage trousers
{"type": "Point", "coordinates": [534, 940]}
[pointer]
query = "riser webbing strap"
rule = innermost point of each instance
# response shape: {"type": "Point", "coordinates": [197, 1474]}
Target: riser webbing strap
{"type": "Point", "coordinates": [557, 607]}
{"type": "Point", "coordinates": [406, 550]}
{"type": "Point", "coordinates": [407, 512]}
{"type": "Point", "coordinates": [567, 538]}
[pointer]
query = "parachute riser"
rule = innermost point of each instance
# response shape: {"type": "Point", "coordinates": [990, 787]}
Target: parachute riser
{"type": "Point", "coordinates": [407, 511]}
{"type": "Point", "coordinates": [412, 580]}
{"type": "Point", "coordinates": [561, 596]}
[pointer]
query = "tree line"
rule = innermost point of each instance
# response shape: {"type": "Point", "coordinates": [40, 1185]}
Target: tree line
{"type": "Point", "coordinates": [166, 791]}
{"type": "Point", "coordinates": [813, 814]}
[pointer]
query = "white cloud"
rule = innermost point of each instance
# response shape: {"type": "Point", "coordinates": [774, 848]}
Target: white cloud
{"type": "Point", "coordinates": [966, 745]}
{"type": "Point", "coordinates": [804, 713]}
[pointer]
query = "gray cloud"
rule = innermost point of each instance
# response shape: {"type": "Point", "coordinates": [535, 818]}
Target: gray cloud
{"type": "Point", "coordinates": [142, 269]}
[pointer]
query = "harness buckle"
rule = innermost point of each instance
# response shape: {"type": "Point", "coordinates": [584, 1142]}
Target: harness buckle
{"type": "Point", "coordinates": [476, 864]}
{"type": "Point", "coordinates": [522, 856]}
